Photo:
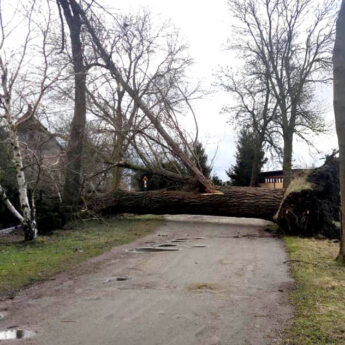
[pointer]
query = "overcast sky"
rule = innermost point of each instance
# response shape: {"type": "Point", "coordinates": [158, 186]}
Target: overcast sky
{"type": "Point", "coordinates": [206, 26]}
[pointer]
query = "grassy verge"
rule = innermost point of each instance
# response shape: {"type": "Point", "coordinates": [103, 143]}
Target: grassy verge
{"type": "Point", "coordinates": [24, 263]}
{"type": "Point", "coordinates": [320, 295]}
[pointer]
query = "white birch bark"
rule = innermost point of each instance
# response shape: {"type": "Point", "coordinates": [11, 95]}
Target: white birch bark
{"type": "Point", "coordinates": [9, 205]}
{"type": "Point", "coordinates": [28, 218]}
{"type": "Point", "coordinates": [29, 222]}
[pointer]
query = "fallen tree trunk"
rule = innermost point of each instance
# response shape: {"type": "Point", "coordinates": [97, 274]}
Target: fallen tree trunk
{"type": "Point", "coordinates": [310, 205]}
{"type": "Point", "coordinates": [236, 202]}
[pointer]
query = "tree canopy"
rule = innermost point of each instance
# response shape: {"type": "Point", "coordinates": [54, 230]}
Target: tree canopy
{"type": "Point", "coordinates": [240, 173]}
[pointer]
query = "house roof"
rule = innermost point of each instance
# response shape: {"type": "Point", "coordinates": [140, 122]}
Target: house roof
{"type": "Point", "coordinates": [276, 173]}
{"type": "Point", "coordinates": [29, 122]}
{"type": "Point", "coordinates": [271, 173]}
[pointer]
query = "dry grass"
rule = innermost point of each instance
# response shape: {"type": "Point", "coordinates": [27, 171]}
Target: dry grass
{"type": "Point", "coordinates": [320, 295]}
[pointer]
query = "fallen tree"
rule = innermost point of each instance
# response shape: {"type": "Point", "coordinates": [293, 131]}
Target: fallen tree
{"type": "Point", "coordinates": [310, 205]}
{"type": "Point", "coordinates": [235, 201]}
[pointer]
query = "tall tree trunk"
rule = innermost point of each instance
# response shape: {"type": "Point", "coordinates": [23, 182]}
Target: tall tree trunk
{"type": "Point", "coordinates": [287, 158]}
{"type": "Point", "coordinates": [72, 186]}
{"type": "Point", "coordinates": [117, 177]}
{"type": "Point", "coordinates": [207, 184]}
{"type": "Point", "coordinates": [256, 163]}
{"type": "Point", "coordinates": [29, 221]}
{"type": "Point", "coordinates": [339, 111]}
{"type": "Point", "coordinates": [253, 177]}
{"type": "Point", "coordinates": [117, 157]}
{"type": "Point", "coordinates": [28, 218]}
{"type": "Point", "coordinates": [9, 205]}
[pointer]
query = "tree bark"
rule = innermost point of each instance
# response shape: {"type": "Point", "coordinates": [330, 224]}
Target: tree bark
{"type": "Point", "coordinates": [72, 185]}
{"type": "Point", "coordinates": [9, 205]}
{"type": "Point", "coordinates": [256, 163]}
{"type": "Point", "coordinates": [287, 159]}
{"type": "Point", "coordinates": [117, 157]}
{"type": "Point", "coordinates": [339, 111]}
{"type": "Point", "coordinates": [207, 184]}
{"type": "Point", "coordinates": [28, 219]}
{"type": "Point", "coordinates": [117, 177]}
{"type": "Point", "coordinates": [236, 201]}
{"type": "Point", "coordinates": [253, 178]}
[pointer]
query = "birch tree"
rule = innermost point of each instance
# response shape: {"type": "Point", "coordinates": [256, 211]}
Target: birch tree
{"type": "Point", "coordinates": [24, 81]}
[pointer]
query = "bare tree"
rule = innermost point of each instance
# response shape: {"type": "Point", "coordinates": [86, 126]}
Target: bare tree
{"type": "Point", "coordinates": [145, 107]}
{"type": "Point", "coordinates": [339, 111]}
{"type": "Point", "coordinates": [255, 108]}
{"type": "Point", "coordinates": [23, 85]}
{"type": "Point", "coordinates": [292, 40]}
{"type": "Point", "coordinates": [116, 112]}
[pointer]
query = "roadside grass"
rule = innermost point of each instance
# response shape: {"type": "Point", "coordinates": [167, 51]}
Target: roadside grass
{"type": "Point", "coordinates": [319, 297]}
{"type": "Point", "coordinates": [23, 263]}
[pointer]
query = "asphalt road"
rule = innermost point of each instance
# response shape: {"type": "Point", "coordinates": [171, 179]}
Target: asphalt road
{"type": "Point", "coordinates": [227, 284]}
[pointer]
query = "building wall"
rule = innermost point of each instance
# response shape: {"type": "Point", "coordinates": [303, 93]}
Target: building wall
{"type": "Point", "coordinates": [272, 185]}
{"type": "Point", "coordinates": [273, 182]}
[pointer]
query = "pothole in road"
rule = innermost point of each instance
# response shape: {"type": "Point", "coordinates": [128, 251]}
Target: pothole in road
{"type": "Point", "coordinates": [199, 246]}
{"type": "Point", "coordinates": [167, 245]}
{"type": "Point", "coordinates": [118, 279]}
{"type": "Point", "coordinates": [13, 334]}
{"type": "Point", "coordinates": [203, 287]}
{"type": "Point", "coordinates": [155, 249]}
{"type": "Point", "coordinates": [178, 240]}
